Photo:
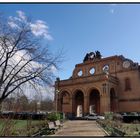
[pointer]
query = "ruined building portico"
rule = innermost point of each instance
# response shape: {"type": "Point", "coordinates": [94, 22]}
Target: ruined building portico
{"type": "Point", "coordinates": [100, 85]}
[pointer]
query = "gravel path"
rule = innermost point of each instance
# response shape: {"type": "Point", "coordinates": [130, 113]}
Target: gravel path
{"type": "Point", "coordinates": [81, 128]}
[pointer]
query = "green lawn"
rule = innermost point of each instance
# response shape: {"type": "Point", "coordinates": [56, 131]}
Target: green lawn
{"type": "Point", "coordinates": [23, 123]}
{"type": "Point", "coordinates": [20, 127]}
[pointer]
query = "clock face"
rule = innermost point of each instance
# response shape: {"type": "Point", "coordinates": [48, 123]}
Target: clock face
{"type": "Point", "coordinates": [126, 64]}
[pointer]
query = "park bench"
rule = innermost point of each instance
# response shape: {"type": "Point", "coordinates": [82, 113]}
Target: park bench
{"type": "Point", "coordinates": [52, 128]}
{"type": "Point", "coordinates": [57, 123]}
{"type": "Point", "coordinates": [39, 133]}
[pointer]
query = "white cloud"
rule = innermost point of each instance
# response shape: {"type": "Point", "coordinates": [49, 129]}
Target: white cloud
{"type": "Point", "coordinates": [45, 91]}
{"type": "Point", "coordinates": [21, 55]}
{"type": "Point", "coordinates": [13, 24]}
{"type": "Point", "coordinates": [41, 91]}
{"type": "Point", "coordinates": [21, 15]}
{"type": "Point", "coordinates": [25, 57]}
{"type": "Point", "coordinates": [53, 69]}
{"type": "Point", "coordinates": [39, 28]}
{"type": "Point", "coordinates": [12, 21]}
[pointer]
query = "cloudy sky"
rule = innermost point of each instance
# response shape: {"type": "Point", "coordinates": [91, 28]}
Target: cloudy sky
{"type": "Point", "coordinates": [113, 29]}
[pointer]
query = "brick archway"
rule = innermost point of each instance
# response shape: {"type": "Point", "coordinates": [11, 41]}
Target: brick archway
{"type": "Point", "coordinates": [65, 100]}
{"type": "Point", "coordinates": [94, 100]}
{"type": "Point", "coordinates": [78, 100]}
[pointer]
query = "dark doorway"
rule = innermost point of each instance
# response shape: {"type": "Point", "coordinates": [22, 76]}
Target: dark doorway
{"type": "Point", "coordinates": [78, 104]}
{"type": "Point", "coordinates": [94, 101]}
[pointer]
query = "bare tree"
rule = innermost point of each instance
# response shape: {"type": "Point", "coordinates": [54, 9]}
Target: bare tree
{"type": "Point", "coordinates": [47, 105]}
{"type": "Point", "coordinates": [23, 59]}
{"type": "Point", "coordinates": [22, 103]}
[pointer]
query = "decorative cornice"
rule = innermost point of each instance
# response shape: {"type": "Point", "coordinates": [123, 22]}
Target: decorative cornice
{"type": "Point", "coordinates": [87, 80]}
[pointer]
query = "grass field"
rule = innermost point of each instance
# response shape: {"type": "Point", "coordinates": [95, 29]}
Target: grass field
{"type": "Point", "coordinates": [20, 127]}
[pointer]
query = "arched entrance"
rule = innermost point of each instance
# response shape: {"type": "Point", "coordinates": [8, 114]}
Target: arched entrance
{"type": "Point", "coordinates": [112, 100]}
{"type": "Point", "coordinates": [94, 101]}
{"type": "Point", "coordinates": [65, 100]}
{"type": "Point", "coordinates": [78, 103]}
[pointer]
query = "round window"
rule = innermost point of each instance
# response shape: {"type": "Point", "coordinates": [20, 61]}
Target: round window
{"type": "Point", "coordinates": [105, 68]}
{"type": "Point", "coordinates": [92, 71]}
{"type": "Point", "coordinates": [80, 73]}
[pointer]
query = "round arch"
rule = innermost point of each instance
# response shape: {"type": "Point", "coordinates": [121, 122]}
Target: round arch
{"type": "Point", "coordinates": [64, 90]}
{"type": "Point", "coordinates": [65, 96]}
{"type": "Point", "coordinates": [78, 103]}
{"type": "Point", "coordinates": [89, 90]}
{"type": "Point", "coordinates": [94, 101]}
{"type": "Point", "coordinates": [75, 90]}
{"type": "Point", "coordinates": [64, 100]}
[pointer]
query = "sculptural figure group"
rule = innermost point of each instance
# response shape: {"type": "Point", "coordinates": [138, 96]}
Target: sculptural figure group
{"type": "Point", "coordinates": [92, 56]}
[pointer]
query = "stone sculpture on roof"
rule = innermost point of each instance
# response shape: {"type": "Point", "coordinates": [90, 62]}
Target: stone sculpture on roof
{"type": "Point", "coordinates": [92, 56]}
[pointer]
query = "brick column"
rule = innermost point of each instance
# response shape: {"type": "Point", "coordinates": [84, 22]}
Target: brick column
{"type": "Point", "coordinates": [108, 97]}
{"type": "Point", "coordinates": [70, 104]}
{"type": "Point", "coordinates": [104, 103]}
{"type": "Point", "coordinates": [73, 106]}
{"type": "Point", "coordinates": [86, 104]}
{"type": "Point", "coordinates": [105, 99]}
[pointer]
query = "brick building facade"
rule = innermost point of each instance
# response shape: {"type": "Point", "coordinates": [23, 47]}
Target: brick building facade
{"type": "Point", "coordinates": [100, 85]}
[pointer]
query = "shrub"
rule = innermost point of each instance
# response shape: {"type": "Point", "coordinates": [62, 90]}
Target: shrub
{"type": "Point", "coordinates": [117, 117]}
{"type": "Point", "coordinates": [109, 115]}
{"type": "Point", "coordinates": [54, 116]}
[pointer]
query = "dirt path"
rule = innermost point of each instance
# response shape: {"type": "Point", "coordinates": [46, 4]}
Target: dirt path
{"type": "Point", "coordinates": [81, 128]}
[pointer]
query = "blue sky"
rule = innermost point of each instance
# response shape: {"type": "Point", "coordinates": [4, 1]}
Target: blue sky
{"type": "Point", "coordinates": [113, 29]}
